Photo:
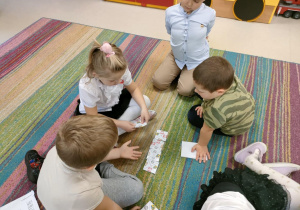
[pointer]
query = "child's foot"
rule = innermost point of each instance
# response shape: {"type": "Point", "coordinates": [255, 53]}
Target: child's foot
{"type": "Point", "coordinates": [283, 168]}
{"type": "Point", "coordinates": [152, 114]}
{"type": "Point", "coordinates": [34, 164]}
{"type": "Point", "coordinates": [241, 155]}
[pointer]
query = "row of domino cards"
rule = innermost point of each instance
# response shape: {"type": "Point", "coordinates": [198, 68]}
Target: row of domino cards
{"type": "Point", "coordinates": [154, 153]}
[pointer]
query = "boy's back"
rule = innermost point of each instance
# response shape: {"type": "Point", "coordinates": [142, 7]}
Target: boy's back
{"type": "Point", "coordinates": [62, 187]}
{"type": "Point", "coordinates": [233, 112]}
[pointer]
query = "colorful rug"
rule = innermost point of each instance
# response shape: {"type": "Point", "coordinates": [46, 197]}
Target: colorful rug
{"type": "Point", "coordinates": [40, 69]}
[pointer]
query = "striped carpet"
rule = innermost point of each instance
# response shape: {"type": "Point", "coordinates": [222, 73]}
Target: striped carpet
{"type": "Point", "coordinates": [40, 68]}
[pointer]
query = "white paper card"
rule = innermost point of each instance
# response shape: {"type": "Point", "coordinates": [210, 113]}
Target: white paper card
{"type": "Point", "coordinates": [26, 202]}
{"type": "Point", "coordinates": [186, 148]}
{"type": "Point", "coordinates": [149, 206]}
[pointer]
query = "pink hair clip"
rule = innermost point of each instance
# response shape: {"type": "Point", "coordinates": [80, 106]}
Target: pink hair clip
{"type": "Point", "coordinates": [107, 49]}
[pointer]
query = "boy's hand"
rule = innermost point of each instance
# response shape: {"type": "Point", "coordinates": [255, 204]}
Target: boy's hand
{"type": "Point", "coordinates": [127, 126]}
{"type": "Point", "coordinates": [145, 116]}
{"type": "Point", "coordinates": [199, 110]}
{"type": "Point", "coordinates": [202, 153]}
{"type": "Point", "coordinates": [136, 208]}
{"type": "Point", "coordinates": [129, 152]}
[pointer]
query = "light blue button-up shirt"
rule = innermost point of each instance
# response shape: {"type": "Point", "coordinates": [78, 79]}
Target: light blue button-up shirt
{"type": "Point", "coordinates": [188, 34]}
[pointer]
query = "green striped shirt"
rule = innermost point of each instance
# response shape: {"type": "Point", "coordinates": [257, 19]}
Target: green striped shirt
{"type": "Point", "coordinates": [232, 112]}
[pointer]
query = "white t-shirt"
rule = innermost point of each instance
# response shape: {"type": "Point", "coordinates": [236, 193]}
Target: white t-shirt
{"type": "Point", "coordinates": [93, 92]}
{"type": "Point", "coordinates": [227, 201]}
{"type": "Point", "coordinates": [62, 187]}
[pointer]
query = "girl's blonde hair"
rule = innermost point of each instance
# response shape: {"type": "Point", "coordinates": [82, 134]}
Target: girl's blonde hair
{"type": "Point", "coordinates": [103, 65]}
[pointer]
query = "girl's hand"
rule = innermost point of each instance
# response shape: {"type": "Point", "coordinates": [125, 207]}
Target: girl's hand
{"type": "Point", "coordinates": [145, 116]}
{"type": "Point", "coordinates": [136, 208]}
{"type": "Point", "coordinates": [199, 110]}
{"type": "Point", "coordinates": [202, 153]}
{"type": "Point", "coordinates": [127, 126]}
{"type": "Point", "coordinates": [129, 152]}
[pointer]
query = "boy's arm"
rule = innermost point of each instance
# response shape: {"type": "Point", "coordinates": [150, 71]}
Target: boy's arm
{"type": "Point", "coordinates": [201, 147]}
{"type": "Point", "coordinates": [108, 204]}
{"type": "Point", "coordinates": [124, 152]}
{"type": "Point", "coordinates": [205, 135]}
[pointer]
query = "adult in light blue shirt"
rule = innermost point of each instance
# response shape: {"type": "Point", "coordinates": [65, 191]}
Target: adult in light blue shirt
{"type": "Point", "coordinates": [189, 24]}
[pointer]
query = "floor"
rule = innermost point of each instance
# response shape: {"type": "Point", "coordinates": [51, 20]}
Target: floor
{"type": "Point", "coordinates": [278, 40]}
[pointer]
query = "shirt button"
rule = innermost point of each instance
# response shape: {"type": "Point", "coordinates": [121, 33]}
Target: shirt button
{"type": "Point", "coordinates": [185, 40]}
{"type": "Point", "coordinates": [184, 52]}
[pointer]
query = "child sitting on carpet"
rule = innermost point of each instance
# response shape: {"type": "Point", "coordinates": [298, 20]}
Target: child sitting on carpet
{"type": "Point", "coordinates": [101, 89]}
{"type": "Point", "coordinates": [75, 174]}
{"type": "Point", "coordinates": [227, 108]}
{"type": "Point", "coordinates": [189, 24]}
{"type": "Point", "coordinates": [260, 186]}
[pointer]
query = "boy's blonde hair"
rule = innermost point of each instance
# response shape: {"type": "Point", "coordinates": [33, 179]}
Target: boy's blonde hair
{"type": "Point", "coordinates": [85, 140]}
{"type": "Point", "coordinates": [214, 73]}
{"type": "Point", "coordinates": [102, 65]}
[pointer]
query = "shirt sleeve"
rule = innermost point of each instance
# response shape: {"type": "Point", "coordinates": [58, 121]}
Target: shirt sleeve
{"type": "Point", "coordinates": [127, 77]}
{"type": "Point", "coordinates": [167, 24]}
{"type": "Point", "coordinates": [211, 23]}
{"type": "Point", "coordinates": [213, 118]}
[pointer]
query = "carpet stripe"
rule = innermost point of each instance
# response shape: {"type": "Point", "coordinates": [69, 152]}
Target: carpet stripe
{"type": "Point", "coordinates": [22, 36]}
{"type": "Point", "coordinates": [15, 57]}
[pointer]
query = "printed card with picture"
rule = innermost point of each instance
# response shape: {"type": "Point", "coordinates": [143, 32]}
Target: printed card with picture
{"type": "Point", "coordinates": [161, 135]}
{"type": "Point", "coordinates": [154, 157]}
{"type": "Point", "coordinates": [151, 166]}
{"type": "Point", "coordinates": [149, 206]}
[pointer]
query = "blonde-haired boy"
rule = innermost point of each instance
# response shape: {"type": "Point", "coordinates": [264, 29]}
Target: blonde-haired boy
{"type": "Point", "coordinates": [74, 175]}
{"type": "Point", "coordinates": [227, 108]}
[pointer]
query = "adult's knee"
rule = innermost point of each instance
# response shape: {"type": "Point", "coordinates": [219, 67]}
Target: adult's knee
{"type": "Point", "coordinates": [158, 83]}
{"type": "Point", "coordinates": [185, 91]}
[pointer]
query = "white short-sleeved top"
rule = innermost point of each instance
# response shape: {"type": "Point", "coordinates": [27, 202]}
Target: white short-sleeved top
{"type": "Point", "coordinates": [62, 187]}
{"type": "Point", "coordinates": [227, 200]}
{"type": "Point", "coordinates": [93, 92]}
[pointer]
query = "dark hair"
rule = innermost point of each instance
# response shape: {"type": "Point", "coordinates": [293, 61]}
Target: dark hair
{"type": "Point", "coordinates": [214, 73]}
{"type": "Point", "coordinates": [85, 140]}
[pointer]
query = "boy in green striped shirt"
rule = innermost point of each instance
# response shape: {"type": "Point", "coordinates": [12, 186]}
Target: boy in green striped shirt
{"type": "Point", "coordinates": [227, 108]}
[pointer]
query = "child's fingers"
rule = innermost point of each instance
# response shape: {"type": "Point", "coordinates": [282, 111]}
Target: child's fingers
{"type": "Point", "coordinates": [193, 149]}
{"type": "Point", "coordinates": [127, 143]}
{"type": "Point", "coordinates": [137, 153]}
{"type": "Point", "coordinates": [134, 147]}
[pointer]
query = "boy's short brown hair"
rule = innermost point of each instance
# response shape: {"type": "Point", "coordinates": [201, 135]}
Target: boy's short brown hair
{"type": "Point", "coordinates": [214, 73]}
{"type": "Point", "coordinates": [85, 140]}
